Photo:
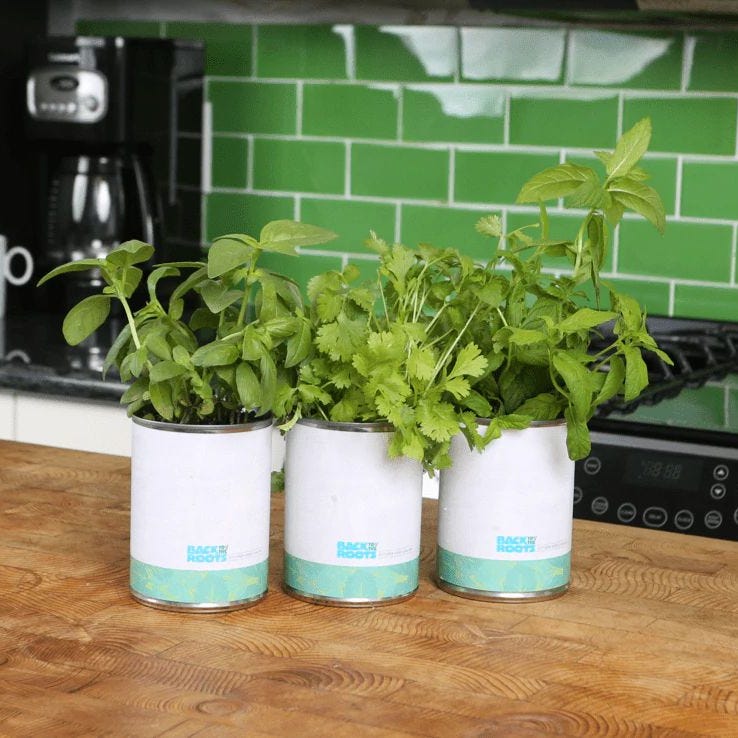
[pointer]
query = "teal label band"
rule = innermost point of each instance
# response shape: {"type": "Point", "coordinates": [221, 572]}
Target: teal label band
{"type": "Point", "coordinates": [199, 587]}
{"type": "Point", "coordinates": [490, 575]}
{"type": "Point", "coordinates": [350, 582]}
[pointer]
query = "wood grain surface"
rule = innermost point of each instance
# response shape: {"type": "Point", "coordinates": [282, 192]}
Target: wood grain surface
{"type": "Point", "coordinates": [644, 644]}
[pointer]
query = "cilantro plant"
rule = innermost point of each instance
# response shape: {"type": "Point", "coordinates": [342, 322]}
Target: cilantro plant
{"type": "Point", "coordinates": [537, 337]}
{"type": "Point", "coordinates": [383, 353]}
{"type": "Point", "coordinates": [223, 347]}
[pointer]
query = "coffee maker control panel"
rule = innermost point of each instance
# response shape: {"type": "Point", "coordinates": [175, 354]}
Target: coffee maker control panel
{"type": "Point", "coordinates": [70, 95]}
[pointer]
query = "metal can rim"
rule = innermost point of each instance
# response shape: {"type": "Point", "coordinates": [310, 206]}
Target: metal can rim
{"type": "Point", "coordinates": [164, 425]}
{"type": "Point", "coordinates": [533, 423]}
{"type": "Point", "coordinates": [378, 426]}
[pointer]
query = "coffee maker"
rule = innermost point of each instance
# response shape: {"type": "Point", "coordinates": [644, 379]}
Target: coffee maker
{"type": "Point", "coordinates": [113, 130]}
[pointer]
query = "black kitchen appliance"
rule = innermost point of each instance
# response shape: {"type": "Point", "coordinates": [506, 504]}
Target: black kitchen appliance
{"type": "Point", "coordinates": [113, 128]}
{"type": "Point", "coordinates": [669, 460]}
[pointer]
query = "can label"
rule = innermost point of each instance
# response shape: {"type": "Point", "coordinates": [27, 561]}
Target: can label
{"type": "Point", "coordinates": [351, 582]}
{"type": "Point", "coordinates": [499, 575]}
{"type": "Point", "coordinates": [198, 586]}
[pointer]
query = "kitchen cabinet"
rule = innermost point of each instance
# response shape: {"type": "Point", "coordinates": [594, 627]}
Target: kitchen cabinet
{"type": "Point", "coordinates": [85, 425]}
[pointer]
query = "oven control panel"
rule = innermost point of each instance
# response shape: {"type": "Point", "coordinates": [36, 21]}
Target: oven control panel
{"type": "Point", "coordinates": [680, 487]}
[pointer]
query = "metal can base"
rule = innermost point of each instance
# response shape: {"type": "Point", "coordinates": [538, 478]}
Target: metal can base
{"type": "Point", "coordinates": [347, 602]}
{"type": "Point", "coordinates": [484, 596]}
{"type": "Point", "coordinates": [196, 607]}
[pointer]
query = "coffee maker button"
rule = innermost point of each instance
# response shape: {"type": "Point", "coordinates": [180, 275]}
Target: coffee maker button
{"type": "Point", "coordinates": [91, 103]}
{"type": "Point", "coordinates": [71, 107]}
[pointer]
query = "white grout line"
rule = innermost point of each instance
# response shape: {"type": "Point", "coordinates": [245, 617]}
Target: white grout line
{"type": "Point", "coordinates": [348, 153]}
{"type": "Point", "coordinates": [299, 89]}
{"type": "Point", "coordinates": [687, 61]}
{"type": "Point", "coordinates": [733, 249]}
{"type": "Point", "coordinates": [678, 187]}
{"type": "Point", "coordinates": [451, 175]}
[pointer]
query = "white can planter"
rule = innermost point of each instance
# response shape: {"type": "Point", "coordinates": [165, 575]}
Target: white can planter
{"type": "Point", "coordinates": [505, 516]}
{"type": "Point", "coordinates": [200, 503]}
{"type": "Point", "coordinates": [352, 515]}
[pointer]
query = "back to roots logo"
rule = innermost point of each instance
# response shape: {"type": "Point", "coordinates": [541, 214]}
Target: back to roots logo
{"type": "Point", "coordinates": [207, 554]}
{"type": "Point", "coordinates": [516, 544]}
{"type": "Point", "coordinates": [356, 550]}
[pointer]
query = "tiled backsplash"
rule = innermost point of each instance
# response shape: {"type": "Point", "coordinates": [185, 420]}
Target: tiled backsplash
{"type": "Point", "coordinates": [415, 132]}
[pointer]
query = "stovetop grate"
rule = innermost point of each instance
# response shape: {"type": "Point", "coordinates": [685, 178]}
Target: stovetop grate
{"type": "Point", "coordinates": [700, 351]}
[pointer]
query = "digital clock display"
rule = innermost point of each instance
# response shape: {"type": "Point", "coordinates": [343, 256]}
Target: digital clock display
{"type": "Point", "coordinates": [663, 471]}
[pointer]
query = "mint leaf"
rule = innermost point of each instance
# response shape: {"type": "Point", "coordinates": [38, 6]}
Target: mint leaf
{"type": "Point", "coordinates": [577, 381]}
{"type": "Point", "coordinates": [636, 372]}
{"type": "Point", "coordinates": [585, 319]}
{"type": "Point", "coordinates": [640, 198]}
{"type": "Point", "coordinates": [578, 442]}
{"type": "Point", "coordinates": [545, 406]}
{"type": "Point", "coordinates": [629, 149]}
{"type": "Point", "coordinates": [554, 182]}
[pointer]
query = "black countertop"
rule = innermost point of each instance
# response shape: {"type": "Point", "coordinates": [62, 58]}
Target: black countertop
{"type": "Point", "coordinates": [35, 358]}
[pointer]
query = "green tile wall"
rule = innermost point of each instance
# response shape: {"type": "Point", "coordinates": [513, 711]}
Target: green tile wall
{"type": "Point", "coordinates": [417, 131]}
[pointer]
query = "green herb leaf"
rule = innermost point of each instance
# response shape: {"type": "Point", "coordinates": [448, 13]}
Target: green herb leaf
{"type": "Point", "coordinates": [437, 420]}
{"type": "Point", "coordinates": [161, 399]}
{"type": "Point", "coordinates": [554, 182]}
{"type": "Point", "coordinates": [640, 198]}
{"type": "Point", "coordinates": [585, 319]}
{"type": "Point", "coordinates": [577, 381]}
{"type": "Point", "coordinates": [632, 145]}
{"type": "Point", "coordinates": [218, 296]}
{"type": "Point", "coordinates": [578, 441]}
{"type": "Point", "coordinates": [165, 370]}
{"type": "Point", "coordinates": [130, 252]}
{"type": "Point", "coordinates": [247, 386]}
{"type": "Point", "coordinates": [226, 254]}
{"type": "Point", "coordinates": [283, 236]}
{"type": "Point", "coordinates": [215, 354]}
{"type": "Point", "coordinates": [298, 345]}
{"type": "Point", "coordinates": [469, 362]}
{"type": "Point", "coordinates": [81, 265]}
{"type": "Point", "coordinates": [545, 406]}
{"type": "Point", "coordinates": [614, 379]}
{"type": "Point", "coordinates": [85, 318]}
{"type": "Point", "coordinates": [636, 372]}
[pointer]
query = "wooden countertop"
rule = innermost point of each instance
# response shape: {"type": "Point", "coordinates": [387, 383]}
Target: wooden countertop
{"type": "Point", "coordinates": [644, 644]}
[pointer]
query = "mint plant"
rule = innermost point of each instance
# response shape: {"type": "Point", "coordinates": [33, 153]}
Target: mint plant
{"type": "Point", "coordinates": [537, 338]}
{"type": "Point", "coordinates": [223, 347]}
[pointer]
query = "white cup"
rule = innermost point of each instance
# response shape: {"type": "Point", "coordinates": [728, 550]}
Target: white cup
{"type": "Point", "coordinates": [7, 257]}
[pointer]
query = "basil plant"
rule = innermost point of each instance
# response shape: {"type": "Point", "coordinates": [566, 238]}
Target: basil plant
{"type": "Point", "coordinates": [223, 347]}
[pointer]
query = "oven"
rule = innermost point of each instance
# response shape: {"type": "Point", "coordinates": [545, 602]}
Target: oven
{"type": "Point", "coordinates": [669, 460]}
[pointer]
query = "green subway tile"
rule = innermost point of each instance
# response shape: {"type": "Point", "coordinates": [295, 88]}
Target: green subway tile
{"type": "Point", "coordinates": [349, 110]}
{"type": "Point", "coordinates": [636, 60]}
{"type": "Point", "coordinates": [709, 189]}
{"type": "Point", "coordinates": [662, 175]}
{"type": "Point", "coordinates": [227, 45]}
{"type": "Point", "coordinates": [714, 62]}
{"type": "Point", "coordinates": [513, 54]}
{"type": "Point", "coordinates": [699, 125]}
{"type": "Point", "coordinates": [412, 53]}
{"type": "Point", "coordinates": [703, 407]}
{"type": "Point", "coordinates": [301, 268]}
{"type": "Point", "coordinates": [562, 227]}
{"type": "Point", "coordinates": [309, 52]}
{"type": "Point", "coordinates": [686, 251]}
{"type": "Point", "coordinates": [653, 297]}
{"type": "Point", "coordinates": [393, 171]}
{"type": "Point", "coordinates": [352, 220]}
{"type": "Point", "coordinates": [230, 158]}
{"type": "Point", "coordinates": [459, 113]}
{"type": "Point", "coordinates": [302, 166]}
{"type": "Point", "coordinates": [713, 303]}
{"type": "Point", "coordinates": [495, 177]}
{"type": "Point", "coordinates": [141, 29]}
{"type": "Point", "coordinates": [253, 107]}
{"type": "Point", "coordinates": [575, 119]}
{"type": "Point", "coordinates": [236, 213]}
{"type": "Point", "coordinates": [446, 227]}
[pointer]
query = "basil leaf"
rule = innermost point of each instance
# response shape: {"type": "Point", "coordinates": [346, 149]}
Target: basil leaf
{"type": "Point", "coordinates": [215, 354]}
{"type": "Point", "coordinates": [85, 318]}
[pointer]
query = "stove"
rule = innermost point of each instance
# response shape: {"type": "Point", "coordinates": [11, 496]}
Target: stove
{"type": "Point", "coordinates": [669, 459]}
